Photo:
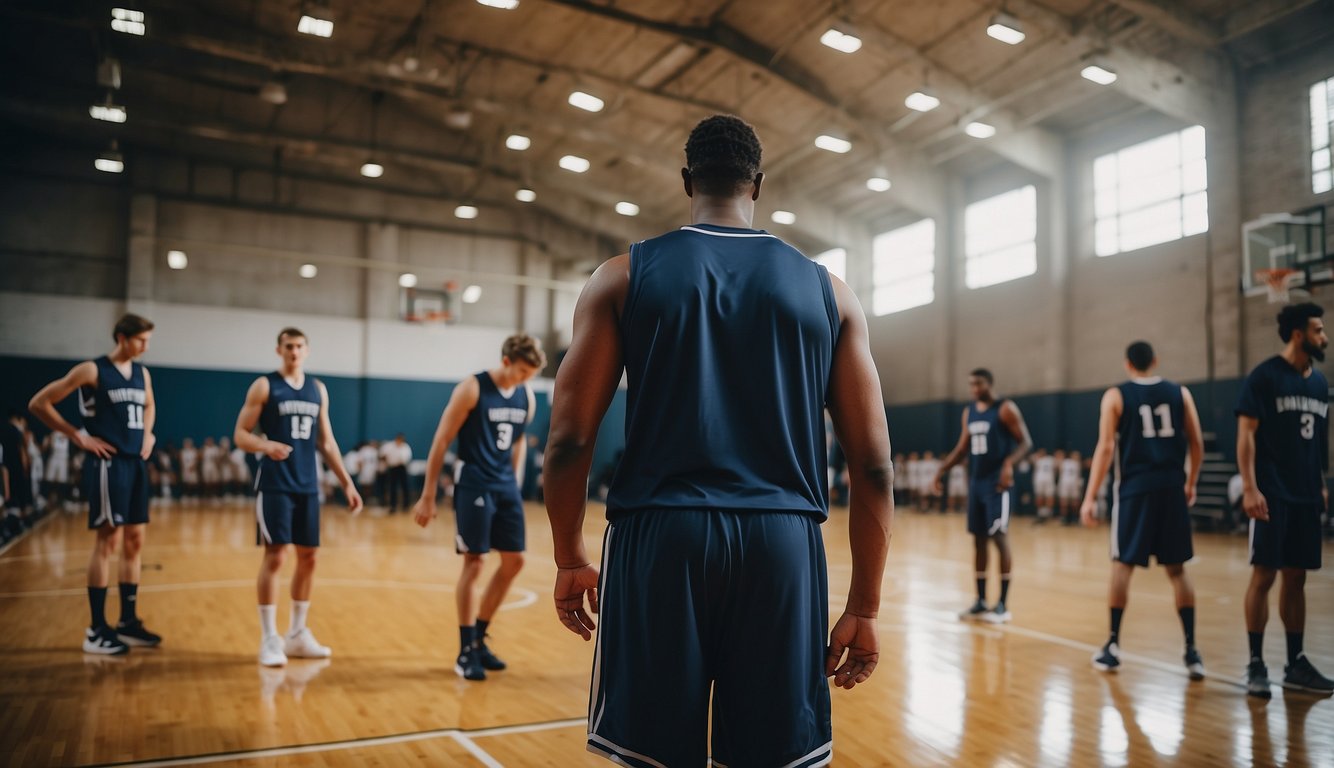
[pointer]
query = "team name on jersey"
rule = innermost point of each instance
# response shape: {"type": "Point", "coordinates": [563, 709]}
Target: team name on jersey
{"type": "Point", "coordinates": [1301, 403]}
{"type": "Point", "coordinates": [979, 427]}
{"type": "Point", "coordinates": [298, 408]}
{"type": "Point", "coordinates": [515, 415]}
{"type": "Point", "coordinates": [127, 395]}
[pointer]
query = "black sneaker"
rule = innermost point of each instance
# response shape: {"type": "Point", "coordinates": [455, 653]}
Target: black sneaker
{"type": "Point", "coordinates": [137, 635]}
{"type": "Point", "coordinates": [1257, 680]}
{"type": "Point", "coordinates": [1194, 664]}
{"type": "Point", "coordinates": [1301, 675]}
{"type": "Point", "coordinates": [469, 666]}
{"type": "Point", "coordinates": [103, 642]}
{"type": "Point", "coordinates": [489, 660]}
{"type": "Point", "coordinates": [1108, 659]}
{"type": "Point", "coordinates": [975, 612]}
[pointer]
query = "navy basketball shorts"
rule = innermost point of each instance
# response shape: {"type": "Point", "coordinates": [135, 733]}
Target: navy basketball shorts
{"type": "Point", "coordinates": [487, 519]}
{"type": "Point", "coordinates": [693, 599]}
{"type": "Point", "coordinates": [1291, 538]}
{"type": "Point", "coordinates": [117, 490]}
{"type": "Point", "coordinates": [283, 517]}
{"type": "Point", "coordinates": [988, 509]}
{"type": "Point", "coordinates": [1153, 523]}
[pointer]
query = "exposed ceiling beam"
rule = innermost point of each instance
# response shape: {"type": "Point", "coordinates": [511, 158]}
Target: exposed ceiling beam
{"type": "Point", "coordinates": [1177, 21]}
{"type": "Point", "coordinates": [1251, 16]}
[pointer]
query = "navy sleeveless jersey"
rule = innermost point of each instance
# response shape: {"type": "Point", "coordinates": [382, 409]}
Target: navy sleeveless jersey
{"type": "Point", "coordinates": [1291, 443]}
{"type": "Point", "coordinates": [488, 435]}
{"type": "Point", "coordinates": [1151, 437]}
{"type": "Point", "coordinates": [728, 338]}
{"type": "Point", "coordinates": [114, 410]}
{"type": "Point", "coordinates": [989, 442]}
{"type": "Point", "coordinates": [291, 416]}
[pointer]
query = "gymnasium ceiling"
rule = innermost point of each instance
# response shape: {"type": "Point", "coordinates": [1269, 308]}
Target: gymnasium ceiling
{"type": "Point", "coordinates": [430, 89]}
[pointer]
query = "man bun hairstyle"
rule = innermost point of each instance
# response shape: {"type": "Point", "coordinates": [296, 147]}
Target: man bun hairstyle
{"type": "Point", "coordinates": [983, 373]}
{"type": "Point", "coordinates": [291, 332]}
{"type": "Point", "coordinates": [722, 155]}
{"type": "Point", "coordinates": [1295, 317]}
{"type": "Point", "coordinates": [130, 325]}
{"type": "Point", "coordinates": [1140, 355]}
{"type": "Point", "coordinates": [522, 348]}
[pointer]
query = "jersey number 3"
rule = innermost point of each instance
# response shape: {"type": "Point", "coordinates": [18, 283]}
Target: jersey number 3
{"type": "Point", "coordinates": [1164, 415]}
{"type": "Point", "coordinates": [504, 436]}
{"type": "Point", "coordinates": [1308, 425]}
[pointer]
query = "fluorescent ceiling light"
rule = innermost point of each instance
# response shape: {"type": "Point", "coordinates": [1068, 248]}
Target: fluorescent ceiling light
{"type": "Point", "coordinates": [841, 41]}
{"type": "Point", "coordinates": [878, 184]}
{"type": "Point", "coordinates": [407, 280]}
{"type": "Point", "coordinates": [1006, 29]}
{"type": "Point", "coordinates": [504, 5]}
{"type": "Point", "coordinates": [627, 209]}
{"type": "Point", "coordinates": [921, 101]}
{"type": "Point", "coordinates": [466, 212]}
{"type": "Point", "coordinates": [110, 161]}
{"type": "Point", "coordinates": [784, 217]}
{"type": "Point", "coordinates": [177, 260]}
{"type": "Point", "coordinates": [372, 170]}
{"type": "Point", "coordinates": [312, 26]}
{"type": "Point", "coordinates": [308, 271]}
{"type": "Point", "coordinates": [586, 101]}
{"type": "Point", "coordinates": [833, 144]}
{"type": "Point", "coordinates": [111, 113]}
{"type": "Point", "coordinates": [1099, 75]}
{"type": "Point", "coordinates": [525, 195]}
{"type": "Point", "coordinates": [471, 294]}
{"type": "Point", "coordinates": [980, 130]}
{"type": "Point", "coordinates": [273, 92]}
{"type": "Point", "coordinates": [574, 163]}
{"type": "Point", "coordinates": [518, 142]}
{"type": "Point", "coordinates": [127, 21]}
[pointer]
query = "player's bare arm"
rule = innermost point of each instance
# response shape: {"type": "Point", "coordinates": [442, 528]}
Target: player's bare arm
{"type": "Point", "coordinates": [1194, 443]}
{"type": "Point", "coordinates": [461, 402]}
{"type": "Point", "coordinates": [585, 384]}
{"type": "Point", "coordinates": [150, 417]}
{"type": "Point", "coordinates": [955, 456]}
{"type": "Point", "coordinates": [244, 435]}
{"type": "Point", "coordinates": [1018, 429]}
{"type": "Point", "coordinates": [43, 406]}
{"type": "Point", "coordinates": [1252, 501]}
{"type": "Point", "coordinates": [858, 413]}
{"type": "Point", "coordinates": [327, 445]}
{"type": "Point", "coordinates": [1109, 416]}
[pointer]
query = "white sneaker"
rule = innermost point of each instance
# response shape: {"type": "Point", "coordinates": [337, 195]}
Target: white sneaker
{"type": "Point", "coordinates": [271, 652]}
{"type": "Point", "coordinates": [303, 645]}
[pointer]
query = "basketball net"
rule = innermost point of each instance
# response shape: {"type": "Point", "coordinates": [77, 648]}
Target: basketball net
{"type": "Point", "coordinates": [1278, 282]}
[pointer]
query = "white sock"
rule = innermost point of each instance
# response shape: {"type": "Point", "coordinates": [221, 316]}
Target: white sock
{"type": "Point", "coordinates": [268, 620]}
{"type": "Point", "coordinates": [299, 610]}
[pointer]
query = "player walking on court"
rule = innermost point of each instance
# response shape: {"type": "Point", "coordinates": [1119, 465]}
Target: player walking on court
{"type": "Point", "coordinates": [1282, 455]}
{"type": "Point", "coordinates": [994, 438]}
{"type": "Point", "coordinates": [713, 582]}
{"type": "Point", "coordinates": [1149, 425]}
{"type": "Point", "coordinates": [292, 411]}
{"type": "Point", "coordinates": [116, 402]}
{"type": "Point", "coordinates": [488, 413]}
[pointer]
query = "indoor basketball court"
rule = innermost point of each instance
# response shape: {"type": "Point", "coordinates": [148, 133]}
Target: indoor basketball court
{"type": "Point", "coordinates": [411, 197]}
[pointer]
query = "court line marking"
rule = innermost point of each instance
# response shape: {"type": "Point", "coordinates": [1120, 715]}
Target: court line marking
{"type": "Point", "coordinates": [462, 736]}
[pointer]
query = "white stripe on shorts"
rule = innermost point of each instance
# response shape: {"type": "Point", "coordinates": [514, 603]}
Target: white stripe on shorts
{"type": "Point", "coordinates": [259, 518]}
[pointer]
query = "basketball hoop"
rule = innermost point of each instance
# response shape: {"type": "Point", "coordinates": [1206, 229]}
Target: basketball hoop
{"type": "Point", "coordinates": [1278, 282]}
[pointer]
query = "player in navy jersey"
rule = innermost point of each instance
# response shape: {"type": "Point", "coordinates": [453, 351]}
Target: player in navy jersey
{"type": "Point", "coordinates": [1149, 426]}
{"type": "Point", "coordinates": [291, 410]}
{"type": "Point", "coordinates": [713, 591]}
{"type": "Point", "coordinates": [994, 438]}
{"type": "Point", "coordinates": [1282, 455]}
{"type": "Point", "coordinates": [116, 402]}
{"type": "Point", "coordinates": [488, 413]}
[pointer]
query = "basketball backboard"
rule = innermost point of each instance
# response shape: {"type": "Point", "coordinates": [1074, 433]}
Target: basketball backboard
{"type": "Point", "coordinates": [1293, 241]}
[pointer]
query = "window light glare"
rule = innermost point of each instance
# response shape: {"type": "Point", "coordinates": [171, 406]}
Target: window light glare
{"type": "Point", "coordinates": [574, 163]}
{"type": "Point", "coordinates": [312, 26]}
{"type": "Point", "coordinates": [518, 142]}
{"type": "Point", "coordinates": [1099, 75]}
{"type": "Point", "coordinates": [372, 170]}
{"type": "Point", "coordinates": [1006, 29]}
{"type": "Point", "coordinates": [841, 41]}
{"type": "Point", "coordinates": [466, 212]}
{"type": "Point", "coordinates": [177, 259]}
{"type": "Point", "coordinates": [525, 195]}
{"type": "Point", "coordinates": [627, 209]}
{"type": "Point", "coordinates": [111, 113]}
{"type": "Point", "coordinates": [833, 144]}
{"type": "Point", "coordinates": [921, 101]}
{"type": "Point", "coordinates": [878, 184]}
{"type": "Point", "coordinates": [980, 130]}
{"type": "Point", "coordinates": [586, 101]}
{"type": "Point", "coordinates": [472, 294]}
{"type": "Point", "coordinates": [784, 217]}
{"type": "Point", "coordinates": [308, 271]}
{"type": "Point", "coordinates": [504, 5]}
{"type": "Point", "coordinates": [407, 280]}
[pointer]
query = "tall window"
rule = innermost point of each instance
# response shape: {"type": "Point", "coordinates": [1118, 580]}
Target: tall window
{"type": "Point", "coordinates": [903, 268]}
{"type": "Point", "coordinates": [1151, 193]}
{"type": "Point", "coordinates": [1322, 125]}
{"type": "Point", "coordinates": [1000, 238]}
{"type": "Point", "coordinates": [836, 261]}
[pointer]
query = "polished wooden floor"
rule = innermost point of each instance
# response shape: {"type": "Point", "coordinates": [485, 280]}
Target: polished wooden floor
{"type": "Point", "coordinates": [945, 693]}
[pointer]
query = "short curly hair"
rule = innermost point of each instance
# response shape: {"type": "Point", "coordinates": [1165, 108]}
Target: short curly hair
{"type": "Point", "coordinates": [722, 155]}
